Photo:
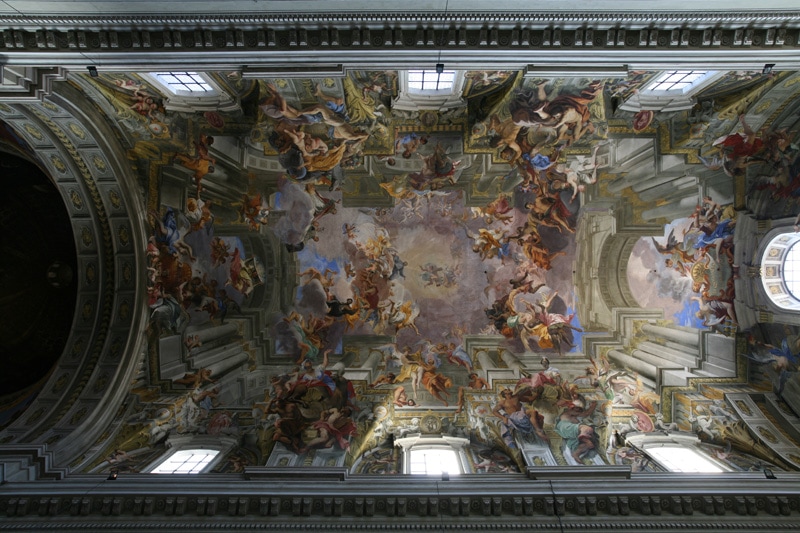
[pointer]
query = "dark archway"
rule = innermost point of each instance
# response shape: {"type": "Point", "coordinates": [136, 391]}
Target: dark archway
{"type": "Point", "coordinates": [37, 281]}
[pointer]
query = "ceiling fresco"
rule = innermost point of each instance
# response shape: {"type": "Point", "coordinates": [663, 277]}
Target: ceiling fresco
{"type": "Point", "coordinates": [336, 263]}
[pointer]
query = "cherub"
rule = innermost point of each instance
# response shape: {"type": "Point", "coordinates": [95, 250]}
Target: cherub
{"type": "Point", "coordinates": [403, 316]}
{"type": "Point", "coordinates": [196, 379]}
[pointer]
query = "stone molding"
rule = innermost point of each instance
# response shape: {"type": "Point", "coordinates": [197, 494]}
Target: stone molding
{"type": "Point", "coordinates": [607, 19]}
{"type": "Point", "coordinates": [575, 497]}
{"type": "Point", "coordinates": [90, 380]}
{"type": "Point", "coordinates": [28, 463]}
{"type": "Point", "coordinates": [334, 44]}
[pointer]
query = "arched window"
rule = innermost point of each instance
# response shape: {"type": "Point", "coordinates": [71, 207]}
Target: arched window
{"type": "Point", "coordinates": [780, 270]}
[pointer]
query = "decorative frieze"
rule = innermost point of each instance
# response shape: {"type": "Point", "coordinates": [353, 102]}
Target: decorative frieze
{"type": "Point", "coordinates": [750, 501]}
{"type": "Point", "coordinates": [241, 42]}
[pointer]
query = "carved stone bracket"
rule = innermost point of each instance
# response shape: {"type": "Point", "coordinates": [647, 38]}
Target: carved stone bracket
{"type": "Point", "coordinates": [499, 40]}
{"type": "Point", "coordinates": [607, 500]}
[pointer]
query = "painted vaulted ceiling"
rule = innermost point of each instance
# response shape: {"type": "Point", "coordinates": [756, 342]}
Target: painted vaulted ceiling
{"type": "Point", "coordinates": [300, 268]}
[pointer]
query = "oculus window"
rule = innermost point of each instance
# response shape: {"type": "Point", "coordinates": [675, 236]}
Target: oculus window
{"type": "Point", "coordinates": [780, 270]}
{"type": "Point", "coordinates": [192, 461]}
{"type": "Point", "coordinates": [791, 270]}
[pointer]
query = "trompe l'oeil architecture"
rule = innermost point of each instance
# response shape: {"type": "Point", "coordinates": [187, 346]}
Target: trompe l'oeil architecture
{"type": "Point", "coordinates": [348, 267]}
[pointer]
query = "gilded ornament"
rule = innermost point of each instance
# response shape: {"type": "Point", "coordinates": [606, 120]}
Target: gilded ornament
{"type": "Point", "coordinates": [99, 163]}
{"type": "Point", "coordinates": [78, 416]}
{"type": "Point", "coordinates": [767, 434]}
{"type": "Point", "coordinates": [60, 383]}
{"type": "Point", "coordinates": [100, 384]}
{"type": "Point", "coordinates": [75, 198]}
{"type": "Point", "coordinates": [91, 274]}
{"type": "Point", "coordinates": [430, 424]}
{"type": "Point", "coordinates": [124, 236]}
{"type": "Point", "coordinates": [124, 310]}
{"type": "Point", "coordinates": [744, 408]}
{"type": "Point", "coordinates": [114, 198]}
{"type": "Point", "coordinates": [77, 130]}
{"type": "Point", "coordinates": [33, 132]}
{"type": "Point", "coordinates": [116, 345]}
{"type": "Point", "coordinates": [86, 312]}
{"type": "Point", "coordinates": [86, 236]}
{"type": "Point", "coordinates": [58, 163]}
{"type": "Point", "coordinates": [35, 416]}
{"type": "Point", "coordinates": [763, 106]}
{"type": "Point", "coordinates": [77, 347]}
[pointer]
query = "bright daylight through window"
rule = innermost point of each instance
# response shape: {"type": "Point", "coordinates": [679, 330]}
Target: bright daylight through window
{"type": "Point", "coordinates": [791, 270]}
{"type": "Point", "coordinates": [678, 80]}
{"type": "Point", "coordinates": [679, 459]}
{"type": "Point", "coordinates": [186, 462]}
{"type": "Point", "coordinates": [183, 82]}
{"type": "Point", "coordinates": [430, 80]}
{"type": "Point", "coordinates": [434, 461]}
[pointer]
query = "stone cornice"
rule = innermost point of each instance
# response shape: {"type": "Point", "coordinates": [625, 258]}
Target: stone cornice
{"type": "Point", "coordinates": [526, 17]}
{"type": "Point", "coordinates": [750, 501]}
{"type": "Point", "coordinates": [336, 46]}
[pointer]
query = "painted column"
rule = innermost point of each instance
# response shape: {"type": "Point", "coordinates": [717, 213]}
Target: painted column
{"type": "Point", "coordinates": [670, 354]}
{"type": "Point", "coordinates": [644, 368]}
{"type": "Point", "coordinates": [215, 332]}
{"type": "Point", "coordinates": [686, 338]}
{"type": "Point", "coordinates": [511, 360]}
{"type": "Point", "coordinates": [485, 360]}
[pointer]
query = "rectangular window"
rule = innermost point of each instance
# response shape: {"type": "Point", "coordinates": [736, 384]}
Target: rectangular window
{"type": "Point", "coordinates": [430, 80]}
{"type": "Point", "coordinates": [677, 80]}
{"type": "Point", "coordinates": [677, 459]}
{"type": "Point", "coordinates": [186, 462]}
{"type": "Point", "coordinates": [182, 82]}
{"type": "Point", "coordinates": [433, 461]}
